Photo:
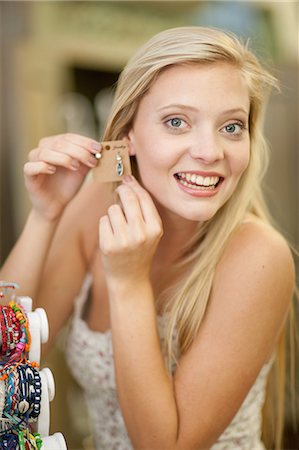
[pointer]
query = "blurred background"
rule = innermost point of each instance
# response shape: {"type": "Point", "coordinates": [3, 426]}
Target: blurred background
{"type": "Point", "coordinates": [59, 64]}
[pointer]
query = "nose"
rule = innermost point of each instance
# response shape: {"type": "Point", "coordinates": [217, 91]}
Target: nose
{"type": "Point", "coordinates": [206, 146]}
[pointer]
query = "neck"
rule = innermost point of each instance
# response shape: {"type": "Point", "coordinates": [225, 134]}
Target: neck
{"type": "Point", "coordinates": [177, 232]}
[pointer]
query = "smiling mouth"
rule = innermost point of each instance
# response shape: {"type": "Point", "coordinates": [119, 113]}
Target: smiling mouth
{"type": "Point", "coordinates": [198, 182]}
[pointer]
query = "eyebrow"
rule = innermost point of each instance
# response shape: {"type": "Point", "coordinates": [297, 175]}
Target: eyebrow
{"type": "Point", "coordinates": [193, 108]}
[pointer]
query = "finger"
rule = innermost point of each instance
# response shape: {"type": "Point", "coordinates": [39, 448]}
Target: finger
{"type": "Point", "coordinates": [33, 169]}
{"type": "Point", "coordinates": [137, 228]}
{"type": "Point", "coordinates": [105, 235]}
{"type": "Point", "coordinates": [147, 205]}
{"type": "Point", "coordinates": [82, 141]}
{"type": "Point", "coordinates": [76, 146]}
{"type": "Point", "coordinates": [80, 148]}
{"type": "Point", "coordinates": [68, 159]}
{"type": "Point", "coordinates": [54, 158]}
{"type": "Point", "coordinates": [130, 204]}
{"type": "Point", "coordinates": [84, 149]}
{"type": "Point", "coordinates": [33, 155]}
{"type": "Point", "coordinates": [117, 221]}
{"type": "Point", "coordinates": [76, 152]}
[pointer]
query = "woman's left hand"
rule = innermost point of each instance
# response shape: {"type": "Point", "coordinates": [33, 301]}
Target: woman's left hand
{"type": "Point", "coordinates": [129, 235]}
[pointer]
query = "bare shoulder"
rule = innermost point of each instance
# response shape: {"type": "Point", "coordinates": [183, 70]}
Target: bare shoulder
{"type": "Point", "coordinates": [247, 308]}
{"type": "Point", "coordinates": [254, 283]}
{"type": "Point", "coordinates": [259, 253]}
{"type": "Point", "coordinates": [255, 232]}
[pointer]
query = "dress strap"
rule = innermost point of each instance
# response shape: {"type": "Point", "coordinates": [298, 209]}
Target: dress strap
{"type": "Point", "coordinates": [81, 298]}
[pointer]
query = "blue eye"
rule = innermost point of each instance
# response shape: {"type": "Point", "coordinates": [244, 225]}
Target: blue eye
{"type": "Point", "coordinates": [176, 123]}
{"type": "Point", "coordinates": [234, 128]}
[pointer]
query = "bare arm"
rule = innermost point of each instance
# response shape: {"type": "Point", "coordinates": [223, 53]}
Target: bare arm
{"type": "Point", "coordinates": [70, 255]}
{"type": "Point", "coordinates": [53, 176]}
{"type": "Point", "coordinates": [25, 263]}
{"type": "Point", "coordinates": [247, 308]}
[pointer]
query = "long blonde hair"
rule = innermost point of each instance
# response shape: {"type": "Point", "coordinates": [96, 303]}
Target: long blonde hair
{"type": "Point", "coordinates": [198, 45]}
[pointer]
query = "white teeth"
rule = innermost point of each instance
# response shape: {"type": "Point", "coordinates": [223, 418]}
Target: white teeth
{"type": "Point", "coordinates": [197, 180]}
{"type": "Point", "coordinates": [194, 186]}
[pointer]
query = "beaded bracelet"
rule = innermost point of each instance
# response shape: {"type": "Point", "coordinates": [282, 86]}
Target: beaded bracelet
{"type": "Point", "coordinates": [25, 340]}
{"type": "Point", "coordinates": [9, 441]}
{"type": "Point", "coordinates": [11, 330]}
{"type": "Point", "coordinates": [2, 397]}
{"type": "Point", "coordinates": [15, 392]}
{"type": "Point", "coordinates": [15, 335]}
{"type": "Point", "coordinates": [35, 388]}
{"type": "Point", "coordinates": [3, 332]}
{"type": "Point", "coordinates": [29, 391]}
{"type": "Point", "coordinates": [23, 393]}
{"type": "Point", "coordinates": [10, 390]}
{"type": "Point", "coordinates": [21, 439]}
{"type": "Point", "coordinates": [16, 338]}
{"type": "Point", "coordinates": [24, 401]}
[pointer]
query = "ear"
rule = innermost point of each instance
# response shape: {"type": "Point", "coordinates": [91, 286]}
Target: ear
{"type": "Point", "coordinates": [130, 139]}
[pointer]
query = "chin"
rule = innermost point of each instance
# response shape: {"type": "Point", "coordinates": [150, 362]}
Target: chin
{"type": "Point", "coordinates": [197, 216]}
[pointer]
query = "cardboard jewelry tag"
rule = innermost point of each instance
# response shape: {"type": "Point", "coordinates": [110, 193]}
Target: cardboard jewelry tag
{"type": "Point", "coordinates": [114, 162]}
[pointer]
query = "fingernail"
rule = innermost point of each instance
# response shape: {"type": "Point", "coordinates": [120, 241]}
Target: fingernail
{"type": "Point", "coordinates": [91, 163]}
{"type": "Point", "coordinates": [128, 178]}
{"type": "Point", "coordinates": [96, 146]}
{"type": "Point", "coordinates": [75, 164]}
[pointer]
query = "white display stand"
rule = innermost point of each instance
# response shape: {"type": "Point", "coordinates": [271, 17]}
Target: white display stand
{"type": "Point", "coordinates": [48, 393]}
{"type": "Point", "coordinates": [39, 331]}
{"type": "Point", "coordinates": [54, 442]}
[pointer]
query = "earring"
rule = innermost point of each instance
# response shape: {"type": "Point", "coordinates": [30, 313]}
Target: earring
{"type": "Point", "coordinates": [119, 165]}
{"type": "Point", "coordinates": [98, 155]}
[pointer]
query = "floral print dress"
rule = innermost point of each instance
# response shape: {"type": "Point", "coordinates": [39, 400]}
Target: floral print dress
{"type": "Point", "coordinates": [90, 358]}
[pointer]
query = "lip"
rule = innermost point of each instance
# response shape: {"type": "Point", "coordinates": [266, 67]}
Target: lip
{"type": "Point", "coordinates": [198, 192]}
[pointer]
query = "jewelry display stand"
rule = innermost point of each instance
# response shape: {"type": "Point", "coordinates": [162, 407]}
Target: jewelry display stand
{"type": "Point", "coordinates": [39, 331]}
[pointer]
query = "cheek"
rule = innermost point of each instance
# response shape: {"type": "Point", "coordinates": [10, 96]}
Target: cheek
{"type": "Point", "coordinates": [240, 161]}
{"type": "Point", "coordinates": [151, 157]}
{"type": "Point", "coordinates": [150, 174]}
{"type": "Point", "coordinates": [153, 170]}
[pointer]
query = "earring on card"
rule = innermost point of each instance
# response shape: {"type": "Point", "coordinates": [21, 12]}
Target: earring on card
{"type": "Point", "coordinates": [119, 165]}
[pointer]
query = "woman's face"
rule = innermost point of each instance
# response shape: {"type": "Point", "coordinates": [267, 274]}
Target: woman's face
{"type": "Point", "coordinates": [191, 139]}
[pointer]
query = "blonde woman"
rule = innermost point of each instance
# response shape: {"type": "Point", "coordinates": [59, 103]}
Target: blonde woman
{"type": "Point", "coordinates": [179, 286]}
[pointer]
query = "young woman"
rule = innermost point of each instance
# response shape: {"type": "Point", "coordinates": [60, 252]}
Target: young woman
{"type": "Point", "coordinates": [178, 285]}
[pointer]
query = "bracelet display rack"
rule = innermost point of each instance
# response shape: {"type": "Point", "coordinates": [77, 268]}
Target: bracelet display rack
{"type": "Point", "coordinates": [39, 332]}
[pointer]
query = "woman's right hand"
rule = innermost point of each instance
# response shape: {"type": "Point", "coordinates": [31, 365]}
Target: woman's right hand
{"type": "Point", "coordinates": [56, 169]}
